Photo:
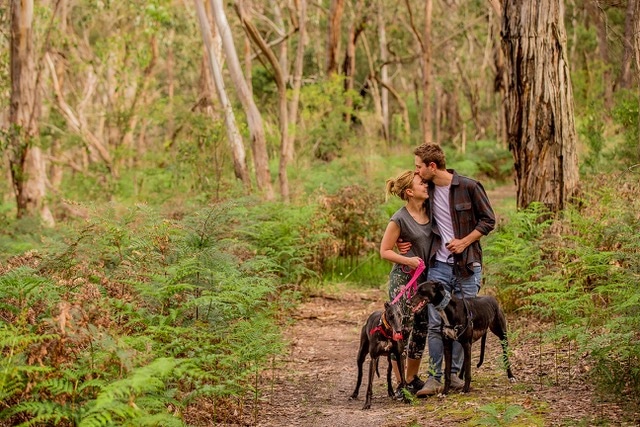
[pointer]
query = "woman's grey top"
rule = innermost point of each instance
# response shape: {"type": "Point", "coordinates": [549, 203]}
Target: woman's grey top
{"type": "Point", "coordinates": [411, 231]}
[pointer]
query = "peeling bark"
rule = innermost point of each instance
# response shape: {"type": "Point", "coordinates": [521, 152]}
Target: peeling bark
{"type": "Point", "coordinates": [540, 113]}
{"type": "Point", "coordinates": [28, 169]}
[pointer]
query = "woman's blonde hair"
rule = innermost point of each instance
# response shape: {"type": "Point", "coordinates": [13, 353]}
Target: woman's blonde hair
{"type": "Point", "coordinates": [399, 185]}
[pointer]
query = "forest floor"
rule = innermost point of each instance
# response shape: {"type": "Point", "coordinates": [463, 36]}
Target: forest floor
{"type": "Point", "coordinates": [311, 384]}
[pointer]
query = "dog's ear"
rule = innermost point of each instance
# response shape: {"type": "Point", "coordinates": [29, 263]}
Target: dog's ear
{"type": "Point", "coordinates": [439, 286]}
{"type": "Point", "coordinates": [386, 305]}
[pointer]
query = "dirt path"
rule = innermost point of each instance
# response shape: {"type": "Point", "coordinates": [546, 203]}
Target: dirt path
{"type": "Point", "coordinates": [312, 384]}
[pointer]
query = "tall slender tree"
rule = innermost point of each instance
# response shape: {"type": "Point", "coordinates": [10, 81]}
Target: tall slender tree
{"type": "Point", "coordinates": [540, 114]}
{"type": "Point", "coordinates": [27, 162]}
{"type": "Point", "coordinates": [384, 69]}
{"type": "Point", "coordinates": [636, 49]}
{"type": "Point", "coordinates": [427, 79]}
{"type": "Point", "coordinates": [625, 78]}
{"type": "Point", "coordinates": [358, 23]}
{"type": "Point", "coordinates": [254, 118]}
{"type": "Point", "coordinates": [298, 69]}
{"type": "Point", "coordinates": [283, 111]}
{"type": "Point", "coordinates": [233, 134]}
{"type": "Point", "coordinates": [424, 41]}
{"type": "Point", "coordinates": [333, 35]}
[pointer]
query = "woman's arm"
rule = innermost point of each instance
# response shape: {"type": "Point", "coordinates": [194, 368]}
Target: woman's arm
{"type": "Point", "coordinates": [391, 235]}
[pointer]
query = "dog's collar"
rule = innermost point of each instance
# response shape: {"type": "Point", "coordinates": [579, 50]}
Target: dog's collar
{"type": "Point", "coordinates": [383, 327]}
{"type": "Point", "coordinates": [454, 332]}
{"type": "Point", "coordinates": [445, 301]}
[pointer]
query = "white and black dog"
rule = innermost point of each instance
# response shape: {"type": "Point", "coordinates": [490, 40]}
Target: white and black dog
{"type": "Point", "coordinates": [464, 320]}
{"type": "Point", "coordinates": [381, 335]}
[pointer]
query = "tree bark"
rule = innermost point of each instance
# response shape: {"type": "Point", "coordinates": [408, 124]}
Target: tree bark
{"type": "Point", "coordinates": [426, 63]}
{"type": "Point", "coordinates": [624, 79]}
{"type": "Point", "coordinates": [384, 70]}
{"type": "Point", "coordinates": [499, 83]}
{"type": "Point", "coordinates": [427, 79]}
{"type": "Point", "coordinates": [254, 119]}
{"type": "Point", "coordinates": [298, 68]}
{"type": "Point", "coordinates": [278, 74]}
{"type": "Point", "coordinates": [333, 36]}
{"type": "Point", "coordinates": [373, 81]}
{"type": "Point", "coordinates": [540, 113]}
{"type": "Point", "coordinates": [349, 64]}
{"type": "Point", "coordinates": [233, 134]}
{"type": "Point", "coordinates": [599, 20]}
{"type": "Point", "coordinates": [28, 170]}
{"type": "Point", "coordinates": [636, 49]}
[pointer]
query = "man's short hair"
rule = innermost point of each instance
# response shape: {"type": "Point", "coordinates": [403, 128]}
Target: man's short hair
{"type": "Point", "coordinates": [429, 152]}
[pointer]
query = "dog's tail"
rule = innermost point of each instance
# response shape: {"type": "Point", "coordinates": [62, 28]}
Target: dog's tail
{"type": "Point", "coordinates": [482, 343]}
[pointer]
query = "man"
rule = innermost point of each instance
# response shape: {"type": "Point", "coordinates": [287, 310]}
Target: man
{"type": "Point", "coordinates": [460, 215]}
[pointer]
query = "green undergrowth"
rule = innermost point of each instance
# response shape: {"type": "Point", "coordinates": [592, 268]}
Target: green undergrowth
{"type": "Point", "coordinates": [579, 274]}
{"type": "Point", "coordinates": [131, 316]}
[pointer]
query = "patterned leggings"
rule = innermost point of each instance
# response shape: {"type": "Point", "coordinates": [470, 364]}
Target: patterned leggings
{"type": "Point", "coordinates": [414, 325]}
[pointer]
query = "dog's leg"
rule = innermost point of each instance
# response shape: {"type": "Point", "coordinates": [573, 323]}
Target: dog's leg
{"type": "Point", "coordinates": [466, 366]}
{"type": "Point", "coordinates": [362, 354]}
{"type": "Point", "coordinates": [373, 367]}
{"type": "Point", "coordinates": [505, 355]}
{"type": "Point", "coordinates": [401, 366]}
{"type": "Point", "coordinates": [390, 390]}
{"type": "Point", "coordinates": [499, 328]}
{"type": "Point", "coordinates": [482, 343]}
{"type": "Point", "coordinates": [448, 355]}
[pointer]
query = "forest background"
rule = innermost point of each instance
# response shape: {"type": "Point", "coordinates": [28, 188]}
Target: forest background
{"type": "Point", "coordinates": [166, 205]}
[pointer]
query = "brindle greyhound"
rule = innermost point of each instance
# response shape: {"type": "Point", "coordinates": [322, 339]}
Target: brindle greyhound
{"type": "Point", "coordinates": [464, 320]}
{"type": "Point", "coordinates": [381, 335]}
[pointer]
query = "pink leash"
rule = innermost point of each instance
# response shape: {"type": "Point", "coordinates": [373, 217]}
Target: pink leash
{"type": "Point", "coordinates": [412, 285]}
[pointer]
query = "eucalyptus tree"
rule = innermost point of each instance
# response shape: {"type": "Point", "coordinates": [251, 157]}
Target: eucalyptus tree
{"type": "Point", "coordinates": [426, 62]}
{"type": "Point", "coordinates": [359, 19]}
{"type": "Point", "coordinates": [334, 34]}
{"type": "Point", "coordinates": [599, 19]}
{"type": "Point", "coordinates": [625, 77]}
{"type": "Point", "coordinates": [233, 134]}
{"type": "Point", "coordinates": [279, 78]}
{"type": "Point", "coordinates": [636, 48]}
{"type": "Point", "coordinates": [298, 69]}
{"type": "Point", "coordinates": [254, 117]}
{"type": "Point", "coordinates": [27, 162]}
{"type": "Point", "coordinates": [384, 70]}
{"type": "Point", "coordinates": [104, 72]}
{"type": "Point", "coordinates": [540, 112]}
{"type": "Point", "coordinates": [636, 39]}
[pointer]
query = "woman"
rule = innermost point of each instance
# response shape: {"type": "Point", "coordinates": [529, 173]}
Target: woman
{"type": "Point", "coordinates": [409, 224]}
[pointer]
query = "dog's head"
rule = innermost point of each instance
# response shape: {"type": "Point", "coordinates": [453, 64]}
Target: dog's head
{"type": "Point", "coordinates": [393, 315]}
{"type": "Point", "coordinates": [429, 292]}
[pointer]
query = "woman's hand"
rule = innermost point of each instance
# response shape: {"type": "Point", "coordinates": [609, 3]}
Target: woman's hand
{"type": "Point", "coordinates": [414, 262]}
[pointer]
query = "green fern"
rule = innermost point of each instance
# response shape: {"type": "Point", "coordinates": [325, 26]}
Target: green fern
{"type": "Point", "coordinates": [500, 415]}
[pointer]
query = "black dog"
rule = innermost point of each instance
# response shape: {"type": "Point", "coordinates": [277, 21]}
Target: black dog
{"type": "Point", "coordinates": [464, 320]}
{"type": "Point", "coordinates": [381, 335]}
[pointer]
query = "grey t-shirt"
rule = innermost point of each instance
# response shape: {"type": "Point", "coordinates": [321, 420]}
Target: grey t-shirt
{"type": "Point", "coordinates": [411, 231]}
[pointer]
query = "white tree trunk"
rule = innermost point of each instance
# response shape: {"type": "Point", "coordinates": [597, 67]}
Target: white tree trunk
{"type": "Point", "coordinates": [278, 74]}
{"type": "Point", "coordinates": [233, 134]}
{"type": "Point", "coordinates": [384, 70]}
{"type": "Point", "coordinates": [297, 76]}
{"type": "Point", "coordinates": [427, 62]}
{"type": "Point", "coordinates": [254, 119]}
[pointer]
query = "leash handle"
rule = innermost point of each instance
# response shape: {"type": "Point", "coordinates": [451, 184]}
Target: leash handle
{"type": "Point", "coordinates": [412, 283]}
